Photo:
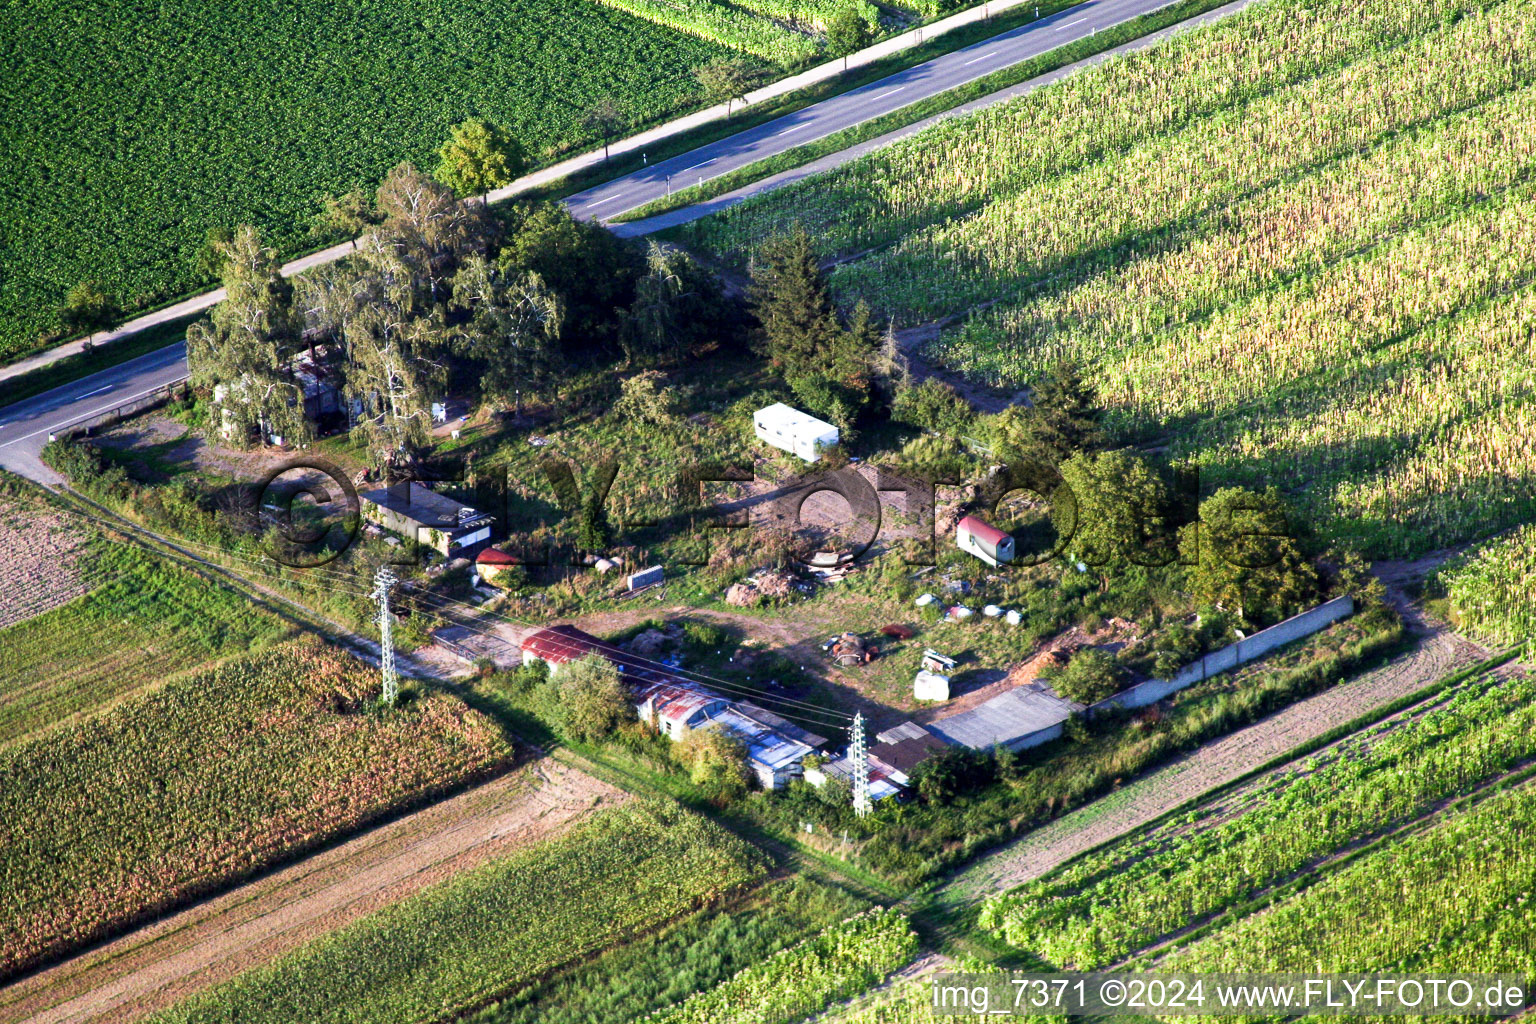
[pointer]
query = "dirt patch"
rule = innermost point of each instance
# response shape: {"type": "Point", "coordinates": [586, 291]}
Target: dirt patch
{"type": "Point", "coordinates": [164, 442]}
{"type": "Point", "coordinates": [982, 398]}
{"type": "Point", "coordinates": [214, 941]}
{"type": "Point", "coordinates": [40, 561]}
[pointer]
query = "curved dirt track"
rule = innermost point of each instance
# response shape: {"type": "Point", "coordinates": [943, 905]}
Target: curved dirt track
{"type": "Point", "coordinates": [1438, 653]}
{"type": "Point", "coordinates": [215, 940]}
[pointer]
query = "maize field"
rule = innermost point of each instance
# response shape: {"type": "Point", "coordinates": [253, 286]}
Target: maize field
{"type": "Point", "coordinates": [1492, 591]}
{"type": "Point", "coordinates": [1296, 247]}
{"type": "Point", "coordinates": [219, 773]}
{"type": "Point", "coordinates": [842, 961]}
{"type": "Point", "coordinates": [1103, 908]}
{"type": "Point", "coordinates": [1387, 911]}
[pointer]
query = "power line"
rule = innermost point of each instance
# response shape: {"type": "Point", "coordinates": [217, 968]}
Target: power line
{"type": "Point", "coordinates": [639, 661]}
{"type": "Point", "coordinates": [445, 603]}
{"type": "Point", "coordinates": [335, 577]}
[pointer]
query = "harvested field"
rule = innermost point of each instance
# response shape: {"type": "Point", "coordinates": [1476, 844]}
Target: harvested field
{"type": "Point", "coordinates": [155, 966]}
{"type": "Point", "coordinates": [39, 561]}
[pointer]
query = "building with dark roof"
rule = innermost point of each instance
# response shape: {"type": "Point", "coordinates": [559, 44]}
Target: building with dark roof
{"type": "Point", "coordinates": [905, 747]}
{"type": "Point", "coordinates": [429, 518]}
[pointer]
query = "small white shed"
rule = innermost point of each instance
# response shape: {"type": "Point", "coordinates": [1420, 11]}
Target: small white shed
{"type": "Point", "coordinates": [794, 431]}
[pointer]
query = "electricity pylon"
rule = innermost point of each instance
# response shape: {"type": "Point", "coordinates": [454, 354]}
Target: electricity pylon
{"type": "Point", "coordinates": [383, 580]}
{"type": "Point", "coordinates": [859, 757]}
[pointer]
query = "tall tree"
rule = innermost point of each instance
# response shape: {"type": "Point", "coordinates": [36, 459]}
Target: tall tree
{"type": "Point", "coordinates": [605, 119]}
{"type": "Point", "coordinates": [847, 33]}
{"type": "Point", "coordinates": [349, 214]}
{"type": "Point", "coordinates": [424, 233]}
{"type": "Point", "coordinates": [244, 349]}
{"type": "Point", "coordinates": [89, 307]}
{"type": "Point", "coordinates": [790, 298]}
{"type": "Point", "coordinates": [210, 258]}
{"type": "Point", "coordinates": [479, 156]}
{"type": "Point", "coordinates": [589, 267]}
{"type": "Point", "coordinates": [677, 305]}
{"type": "Point", "coordinates": [397, 367]}
{"type": "Point", "coordinates": [1123, 513]}
{"type": "Point", "coordinates": [1061, 421]}
{"type": "Point", "coordinates": [829, 366]}
{"type": "Point", "coordinates": [724, 81]}
{"type": "Point", "coordinates": [513, 328]}
{"type": "Point", "coordinates": [1249, 563]}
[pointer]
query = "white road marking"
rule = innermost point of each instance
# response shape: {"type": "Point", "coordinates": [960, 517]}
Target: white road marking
{"type": "Point", "coordinates": [88, 394]}
{"type": "Point", "coordinates": [84, 416]}
{"type": "Point", "coordinates": [600, 202]}
{"type": "Point", "coordinates": [981, 58]}
{"type": "Point", "coordinates": [889, 92]}
{"type": "Point", "coordinates": [1070, 24]}
{"type": "Point", "coordinates": [796, 128]}
{"type": "Point", "coordinates": [685, 170]}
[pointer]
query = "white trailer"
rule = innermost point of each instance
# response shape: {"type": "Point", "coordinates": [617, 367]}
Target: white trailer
{"type": "Point", "coordinates": [794, 431]}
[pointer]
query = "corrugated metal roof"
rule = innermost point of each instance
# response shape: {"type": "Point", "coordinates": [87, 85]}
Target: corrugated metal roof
{"type": "Point", "coordinates": [560, 644]}
{"type": "Point", "coordinates": [904, 731]}
{"type": "Point", "coordinates": [881, 784]}
{"type": "Point", "coordinates": [676, 700]}
{"type": "Point", "coordinates": [1005, 718]}
{"type": "Point", "coordinates": [780, 724]}
{"type": "Point", "coordinates": [764, 746]}
{"type": "Point", "coordinates": [982, 530]}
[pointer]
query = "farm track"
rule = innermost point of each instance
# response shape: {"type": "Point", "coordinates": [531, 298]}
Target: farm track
{"type": "Point", "coordinates": [1437, 653]}
{"type": "Point", "coordinates": [217, 939]}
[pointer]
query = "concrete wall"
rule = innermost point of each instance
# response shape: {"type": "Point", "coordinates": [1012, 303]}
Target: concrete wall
{"type": "Point", "coordinates": [1228, 658]}
{"type": "Point", "coordinates": [1038, 737]}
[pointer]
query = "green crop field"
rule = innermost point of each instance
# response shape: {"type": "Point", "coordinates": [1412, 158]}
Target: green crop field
{"type": "Point", "coordinates": [1104, 907]}
{"type": "Point", "coordinates": [144, 621]}
{"type": "Point", "coordinates": [702, 950]}
{"type": "Point", "coordinates": [842, 961]}
{"type": "Point", "coordinates": [131, 130]}
{"type": "Point", "coordinates": [1452, 897]}
{"type": "Point", "coordinates": [499, 928]}
{"type": "Point", "coordinates": [1491, 590]}
{"type": "Point", "coordinates": [1301, 237]}
{"type": "Point", "coordinates": [218, 773]}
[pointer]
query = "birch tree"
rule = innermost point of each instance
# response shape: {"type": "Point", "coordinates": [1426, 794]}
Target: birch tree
{"type": "Point", "coordinates": [244, 348]}
{"type": "Point", "coordinates": [513, 327]}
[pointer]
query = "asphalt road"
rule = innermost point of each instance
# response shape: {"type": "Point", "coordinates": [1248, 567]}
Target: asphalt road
{"type": "Point", "coordinates": [854, 107]}
{"type": "Point", "coordinates": [24, 426]}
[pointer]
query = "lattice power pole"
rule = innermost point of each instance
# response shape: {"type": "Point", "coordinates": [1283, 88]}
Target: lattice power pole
{"type": "Point", "coordinates": [383, 580]}
{"type": "Point", "coordinates": [859, 757]}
